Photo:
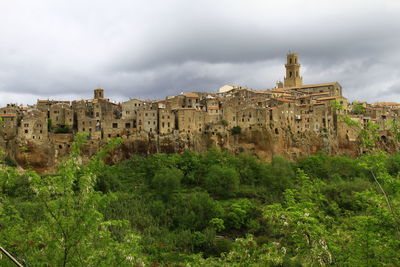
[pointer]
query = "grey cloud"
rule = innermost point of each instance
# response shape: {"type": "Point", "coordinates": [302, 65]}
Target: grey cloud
{"type": "Point", "coordinates": [158, 48]}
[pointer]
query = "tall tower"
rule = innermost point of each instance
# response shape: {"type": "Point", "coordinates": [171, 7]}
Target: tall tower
{"type": "Point", "coordinates": [293, 77]}
{"type": "Point", "coordinates": [98, 93]}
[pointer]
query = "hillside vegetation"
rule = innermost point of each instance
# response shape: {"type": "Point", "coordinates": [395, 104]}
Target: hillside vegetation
{"type": "Point", "coordinates": [208, 209]}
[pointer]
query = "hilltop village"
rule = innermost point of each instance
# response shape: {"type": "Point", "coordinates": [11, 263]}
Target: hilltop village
{"type": "Point", "coordinates": [291, 119]}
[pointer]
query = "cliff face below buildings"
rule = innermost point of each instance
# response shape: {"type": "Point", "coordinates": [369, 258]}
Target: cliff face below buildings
{"type": "Point", "coordinates": [43, 157]}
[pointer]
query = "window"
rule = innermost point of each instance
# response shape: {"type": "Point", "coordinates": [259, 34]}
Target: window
{"type": "Point", "coordinates": [127, 125]}
{"type": "Point", "coordinates": [26, 125]}
{"type": "Point", "coordinates": [115, 125]}
{"type": "Point", "coordinates": [26, 131]}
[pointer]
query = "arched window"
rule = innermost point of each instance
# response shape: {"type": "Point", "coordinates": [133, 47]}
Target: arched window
{"type": "Point", "coordinates": [290, 74]}
{"type": "Point", "coordinates": [290, 61]}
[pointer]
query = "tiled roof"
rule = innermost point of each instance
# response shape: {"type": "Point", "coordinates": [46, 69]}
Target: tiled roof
{"type": "Point", "coordinates": [8, 115]}
{"type": "Point", "coordinates": [186, 109]}
{"type": "Point", "coordinates": [387, 104]}
{"type": "Point", "coordinates": [327, 98]}
{"type": "Point", "coordinates": [312, 85]}
{"type": "Point", "coordinates": [283, 100]}
{"type": "Point", "coordinates": [191, 95]}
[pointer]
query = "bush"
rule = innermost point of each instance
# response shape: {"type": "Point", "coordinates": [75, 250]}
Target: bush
{"type": "Point", "coordinates": [166, 181]}
{"type": "Point", "coordinates": [222, 182]}
{"type": "Point", "coordinates": [236, 130]}
{"type": "Point", "coordinates": [63, 129]}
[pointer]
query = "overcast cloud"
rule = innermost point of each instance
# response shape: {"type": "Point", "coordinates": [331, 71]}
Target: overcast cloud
{"type": "Point", "coordinates": [62, 49]}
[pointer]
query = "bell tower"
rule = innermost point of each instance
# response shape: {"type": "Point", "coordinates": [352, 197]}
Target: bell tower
{"type": "Point", "coordinates": [98, 93]}
{"type": "Point", "coordinates": [292, 66]}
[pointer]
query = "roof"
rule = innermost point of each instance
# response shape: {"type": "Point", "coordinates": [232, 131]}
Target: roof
{"type": "Point", "coordinates": [327, 98]}
{"type": "Point", "coordinates": [283, 99]}
{"type": "Point", "coordinates": [186, 109]}
{"type": "Point", "coordinates": [191, 95]}
{"type": "Point", "coordinates": [213, 108]}
{"type": "Point", "coordinates": [322, 93]}
{"type": "Point", "coordinates": [387, 104]}
{"type": "Point", "coordinates": [7, 115]}
{"type": "Point", "coordinates": [313, 85]}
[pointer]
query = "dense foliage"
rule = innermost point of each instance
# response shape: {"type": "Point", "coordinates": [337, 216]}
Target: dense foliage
{"type": "Point", "coordinates": [204, 209]}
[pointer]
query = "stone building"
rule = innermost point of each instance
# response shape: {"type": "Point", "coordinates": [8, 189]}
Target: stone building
{"type": "Point", "coordinates": [290, 112]}
{"type": "Point", "coordinates": [33, 126]}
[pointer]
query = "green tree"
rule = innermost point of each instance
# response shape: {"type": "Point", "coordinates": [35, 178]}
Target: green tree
{"type": "Point", "coordinates": [236, 130]}
{"type": "Point", "coordinates": [221, 181]}
{"type": "Point", "coordinates": [167, 181]}
{"type": "Point", "coordinates": [72, 231]}
{"type": "Point", "coordinates": [358, 108]}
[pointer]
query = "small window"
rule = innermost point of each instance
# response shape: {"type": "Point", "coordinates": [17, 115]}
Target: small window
{"type": "Point", "coordinates": [115, 125]}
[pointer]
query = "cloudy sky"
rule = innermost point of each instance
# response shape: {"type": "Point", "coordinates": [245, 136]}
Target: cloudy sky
{"type": "Point", "coordinates": [62, 49]}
